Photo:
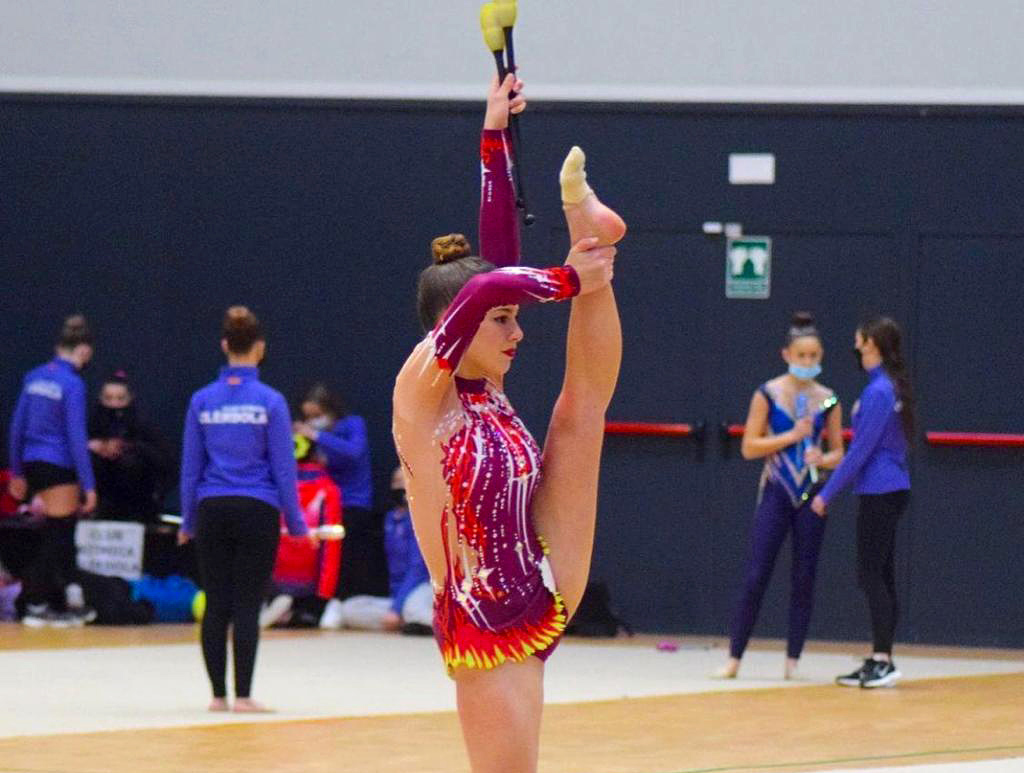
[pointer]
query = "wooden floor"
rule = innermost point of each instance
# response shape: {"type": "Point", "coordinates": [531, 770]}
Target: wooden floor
{"type": "Point", "coordinates": [812, 728]}
{"type": "Point", "coordinates": [18, 637]}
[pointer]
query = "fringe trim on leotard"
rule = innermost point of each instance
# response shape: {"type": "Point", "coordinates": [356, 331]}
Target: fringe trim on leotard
{"type": "Point", "coordinates": [474, 648]}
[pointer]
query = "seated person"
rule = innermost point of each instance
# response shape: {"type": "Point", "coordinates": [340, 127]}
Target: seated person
{"type": "Point", "coordinates": [132, 462]}
{"type": "Point", "coordinates": [410, 607]}
{"type": "Point", "coordinates": [342, 440]}
{"type": "Point", "coordinates": [304, 577]}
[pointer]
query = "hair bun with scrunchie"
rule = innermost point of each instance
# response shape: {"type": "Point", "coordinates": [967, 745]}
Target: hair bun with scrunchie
{"type": "Point", "coordinates": [450, 248]}
{"type": "Point", "coordinates": [802, 319]}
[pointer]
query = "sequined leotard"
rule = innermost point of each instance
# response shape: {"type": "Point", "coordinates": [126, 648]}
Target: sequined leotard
{"type": "Point", "coordinates": [498, 601]}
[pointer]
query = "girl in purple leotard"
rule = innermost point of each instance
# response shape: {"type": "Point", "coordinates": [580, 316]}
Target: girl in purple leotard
{"type": "Point", "coordinates": [481, 492]}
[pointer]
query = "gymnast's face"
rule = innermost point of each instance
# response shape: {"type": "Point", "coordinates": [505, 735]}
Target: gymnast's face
{"type": "Point", "coordinates": [806, 350]}
{"type": "Point", "coordinates": [494, 345]}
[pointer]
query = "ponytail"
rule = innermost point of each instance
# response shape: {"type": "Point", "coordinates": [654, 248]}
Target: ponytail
{"type": "Point", "coordinates": [888, 339]}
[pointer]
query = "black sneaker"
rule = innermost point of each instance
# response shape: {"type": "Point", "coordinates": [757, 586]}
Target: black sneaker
{"type": "Point", "coordinates": [417, 629]}
{"type": "Point", "coordinates": [855, 678]}
{"type": "Point", "coordinates": [883, 673]}
{"type": "Point", "coordinates": [85, 614]}
{"type": "Point", "coordinates": [64, 619]}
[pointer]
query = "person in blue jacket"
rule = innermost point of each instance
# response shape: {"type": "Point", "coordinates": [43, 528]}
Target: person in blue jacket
{"type": "Point", "coordinates": [237, 474]}
{"type": "Point", "coordinates": [410, 605]}
{"type": "Point", "coordinates": [876, 463]}
{"type": "Point", "coordinates": [342, 441]}
{"type": "Point", "coordinates": [49, 456]}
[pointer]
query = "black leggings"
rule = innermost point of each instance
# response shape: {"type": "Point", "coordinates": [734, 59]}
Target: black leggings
{"type": "Point", "coordinates": [236, 542]}
{"type": "Point", "coordinates": [54, 565]}
{"type": "Point", "coordinates": [364, 565]}
{"type": "Point", "coordinates": [877, 518]}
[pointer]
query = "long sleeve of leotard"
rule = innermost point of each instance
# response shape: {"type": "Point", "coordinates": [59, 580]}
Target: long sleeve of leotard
{"type": "Point", "coordinates": [503, 287]}
{"type": "Point", "coordinates": [499, 226]}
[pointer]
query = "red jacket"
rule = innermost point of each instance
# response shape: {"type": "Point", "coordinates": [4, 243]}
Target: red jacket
{"type": "Point", "coordinates": [301, 569]}
{"type": "Point", "coordinates": [8, 504]}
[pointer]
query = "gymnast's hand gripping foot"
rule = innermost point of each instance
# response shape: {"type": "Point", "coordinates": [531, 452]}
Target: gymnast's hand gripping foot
{"type": "Point", "coordinates": [508, 551]}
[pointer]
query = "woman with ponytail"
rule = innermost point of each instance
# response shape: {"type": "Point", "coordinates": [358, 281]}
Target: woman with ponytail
{"type": "Point", "coordinates": [789, 418]}
{"type": "Point", "coordinates": [238, 474]}
{"type": "Point", "coordinates": [507, 548]}
{"type": "Point", "coordinates": [883, 424]}
{"type": "Point", "coordinates": [49, 453]}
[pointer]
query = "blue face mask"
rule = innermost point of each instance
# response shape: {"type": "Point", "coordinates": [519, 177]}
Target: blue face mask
{"type": "Point", "coordinates": [805, 372]}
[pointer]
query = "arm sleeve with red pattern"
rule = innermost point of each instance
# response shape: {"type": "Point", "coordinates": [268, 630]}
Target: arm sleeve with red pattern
{"type": "Point", "coordinates": [515, 285]}
{"type": "Point", "coordinates": [499, 226]}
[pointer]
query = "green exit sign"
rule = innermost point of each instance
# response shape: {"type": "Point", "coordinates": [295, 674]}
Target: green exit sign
{"type": "Point", "coordinates": [748, 267]}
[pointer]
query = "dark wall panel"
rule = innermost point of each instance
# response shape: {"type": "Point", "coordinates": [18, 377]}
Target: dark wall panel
{"type": "Point", "coordinates": [151, 216]}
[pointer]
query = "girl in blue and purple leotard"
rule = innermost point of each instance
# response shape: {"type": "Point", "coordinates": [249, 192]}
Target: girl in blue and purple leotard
{"type": "Point", "coordinates": [506, 530]}
{"type": "Point", "coordinates": [789, 417]}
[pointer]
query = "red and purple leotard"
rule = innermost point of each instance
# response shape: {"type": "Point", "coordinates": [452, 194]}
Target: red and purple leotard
{"type": "Point", "coordinates": [499, 601]}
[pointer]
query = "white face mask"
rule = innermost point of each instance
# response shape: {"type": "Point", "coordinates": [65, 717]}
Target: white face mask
{"type": "Point", "coordinates": [320, 422]}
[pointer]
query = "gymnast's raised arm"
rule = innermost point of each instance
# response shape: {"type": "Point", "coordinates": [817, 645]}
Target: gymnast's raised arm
{"type": "Point", "coordinates": [499, 226]}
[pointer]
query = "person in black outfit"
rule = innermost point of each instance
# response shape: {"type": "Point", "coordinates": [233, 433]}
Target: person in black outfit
{"type": "Point", "coordinates": [131, 460]}
{"type": "Point", "coordinates": [883, 426]}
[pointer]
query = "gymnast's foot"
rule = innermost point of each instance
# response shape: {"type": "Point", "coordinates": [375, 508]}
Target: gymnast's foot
{"type": "Point", "coordinates": [792, 671]}
{"type": "Point", "coordinates": [219, 704]}
{"type": "Point", "coordinates": [584, 212]}
{"type": "Point", "coordinates": [729, 670]}
{"type": "Point", "coordinates": [249, 706]}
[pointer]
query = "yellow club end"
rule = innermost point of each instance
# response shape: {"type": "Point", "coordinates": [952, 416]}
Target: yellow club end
{"type": "Point", "coordinates": [493, 36]}
{"type": "Point", "coordinates": [507, 10]}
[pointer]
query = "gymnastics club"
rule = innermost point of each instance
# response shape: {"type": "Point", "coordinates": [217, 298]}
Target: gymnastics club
{"type": "Point", "coordinates": [496, 20]}
{"type": "Point", "coordinates": [327, 532]}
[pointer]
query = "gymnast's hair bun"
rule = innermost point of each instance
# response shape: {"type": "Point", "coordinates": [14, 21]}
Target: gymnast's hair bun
{"type": "Point", "coordinates": [449, 248]}
{"type": "Point", "coordinates": [802, 319]}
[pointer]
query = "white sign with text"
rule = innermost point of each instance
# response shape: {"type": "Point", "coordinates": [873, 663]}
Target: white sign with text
{"type": "Point", "coordinates": [110, 548]}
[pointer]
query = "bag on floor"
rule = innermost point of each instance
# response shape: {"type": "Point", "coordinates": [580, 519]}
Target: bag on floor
{"type": "Point", "coordinates": [111, 597]}
{"type": "Point", "coordinates": [171, 597]}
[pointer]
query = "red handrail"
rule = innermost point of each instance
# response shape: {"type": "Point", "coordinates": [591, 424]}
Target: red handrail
{"type": "Point", "coordinates": [736, 430]}
{"type": "Point", "coordinates": [647, 428]}
{"type": "Point", "coordinates": [984, 439]}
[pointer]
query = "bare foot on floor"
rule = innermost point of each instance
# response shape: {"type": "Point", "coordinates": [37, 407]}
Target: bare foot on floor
{"type": "Point", "coordinates": [728, 671]}
{"type": "Point", "coordinates": [249, 706]}
{"type": "Point", "coordinates": [584, 212]}
{"type": "Point", "coordinates": [219, 704]}
{"type": "Point", "coordinates": [792, 671]}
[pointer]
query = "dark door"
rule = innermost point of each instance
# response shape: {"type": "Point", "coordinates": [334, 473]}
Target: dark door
{"type": "Point", "coordinates": [840, 278]}
{"type": "Point", "coordinates": [675, 513]}
{"type": "Point", "coordinates": [969, 350]}
{"type": "Point", "coordinates": [652, 547]}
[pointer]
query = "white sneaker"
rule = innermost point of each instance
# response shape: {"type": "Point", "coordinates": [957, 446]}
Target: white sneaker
{"type": "Point", "coordinates": [73, 596]}
{"type": "Point", "coordinates": [276, 611]}
{"type": "Point", "coordinates": [331, 619]}
{"type": "Point", "coordinates": [36, 615]}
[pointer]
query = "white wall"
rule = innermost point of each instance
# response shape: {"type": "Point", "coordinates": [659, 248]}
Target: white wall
{"type": "Point", "coordinates": [699, 50]}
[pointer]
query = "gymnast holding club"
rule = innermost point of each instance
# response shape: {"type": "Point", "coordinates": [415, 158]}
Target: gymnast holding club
{"type": "Point", "coordinates": [508, 548]}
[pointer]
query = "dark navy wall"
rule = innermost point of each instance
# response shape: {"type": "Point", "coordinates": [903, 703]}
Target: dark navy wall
{"type": "Point", "coordinates": [151, 216]}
